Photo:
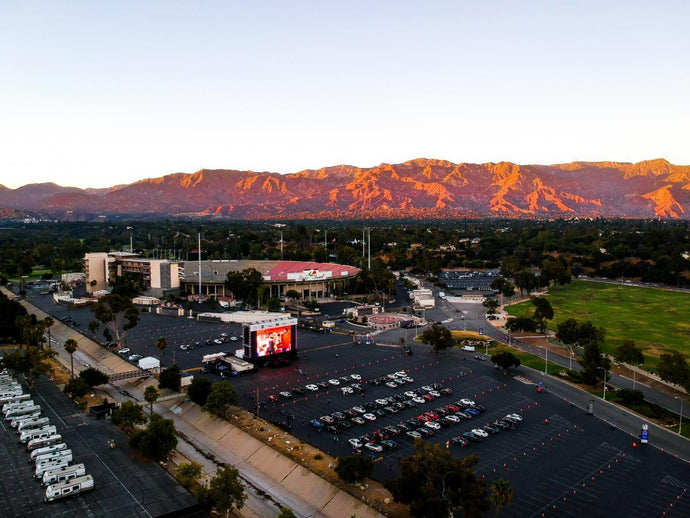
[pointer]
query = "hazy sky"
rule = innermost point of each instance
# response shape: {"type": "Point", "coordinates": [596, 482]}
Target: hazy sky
{"type": "Point", "coordinates": [99, 93]}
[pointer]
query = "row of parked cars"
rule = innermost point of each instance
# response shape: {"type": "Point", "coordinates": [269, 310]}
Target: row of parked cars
{"type": "Point", "coordinates": [344, 384]}
{"type": "Point", "coordinates": [47, 449]}
{"type": "Point", "coordinates": [223, 338]}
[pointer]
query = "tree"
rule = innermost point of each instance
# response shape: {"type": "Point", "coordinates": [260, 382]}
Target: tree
{"type": "Point", "coordinates": [71, 347]}
{"type": "Point", "coordinates": [593, 362]}
{"type": "Point", "coordinates": [117, 314]}
{"type": "Point", "coordinates": [161, 345]}
{"type": "Point", "coordinates": [501, 494]}
{"type": "Point", "coordinates": [10, 310]}
{"type": "Point", "coordinates": [286, 512]}
{"type": "Point", "coordinates": [273, 304]}
{"type": "Point", "coordinates": [93, 377]}
{"type": "Point", "coordinates": [157, 440]}
{"type": "Point", "coordinates": [77, 387]}
{"type": "Point", "coordinates": [354, 468]}
{"type": "Point", "coordinates": [225, 490]}
{"type": "Point", "coordinates": [508, 290]}
{"type": "Point", "coordinates": [525, 280]}
{"type": "Point", "coordinates": [491, 305]}
{"type": "Point", "coordinates": [673, 368]}
{"type": "Point", "coordinates": [128, 415]}
{"type": "Point", "coordinates": [245, 285]}
{"type": "Point", "coordinates": [438, 337]}
{"type": "Point", "coordinates": [292, 294]}
{"type": "Point", "coordinates": [220, 399]}
{"type": "Point", "coordinates": [151, 394]}
{"type": "Point", "coordinates": [32, 330]}
{"type": "Point", "coordinates": [526, 324]}
{"type": "Point", "coordinates": [199, 389]}
{"type": "Point", "coordinates": [570, 331]}
{"type": "Point", "coordinates": [188, 472]}
{"type": "Point", "coordinates": [435, 484]}
{"type": "Point", "coordinates": [505, 360]}
{"type": "Point", "coordinates": [31, 363]}
{"type": "Point", "coordinates": [628, 353]}
{"type": "Point", "coordinates": [170, 378]}
{"type": "Point", "coordinates": [542, 308]}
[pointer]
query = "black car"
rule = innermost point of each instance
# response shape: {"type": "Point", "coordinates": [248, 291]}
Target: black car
{"type": "Point", "coordinates": [345, 425]}
{"type": "Point", "coordinates": [379, 412]}
{"type": "Point", "coordinates": [338, 416]}
{"type": "Point", "coordinates": [404, 427]}
{"type": "Point", "coordinates": [471, 437]}
{"type": "Point", "coordinates": [323, 384]}
{"type": "Point", "coordinates": [460, 440]}
{"type": "Point", "coordinates": [491, 429]}
{"type": "Point", "coordinates": [297, 390]}
{"type": "Point", "coordinates": [393, 430]}
{"type": "Point", "coordinates": [425, 432]}
{"type": "Point", "coordinates": [333, 430]}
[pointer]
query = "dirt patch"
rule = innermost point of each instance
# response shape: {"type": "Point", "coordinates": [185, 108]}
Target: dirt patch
{"type": "Point", "coordinates": [371, 492]}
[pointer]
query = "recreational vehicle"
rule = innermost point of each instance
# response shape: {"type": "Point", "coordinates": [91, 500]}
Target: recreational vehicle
{"type": "Point", "coordinates": [14, 399]}
{"type": "Point", "coordinates": [71, 487]}
{"type": "Point", "coordinates": [42, 467]}
{"type": "Point", "coordinates": [17, 404]}
{"type": "Point", "coordinates": [40, 433]}
{"type": "Point", "coordinates": [34, 410]}
{"type": "Point", "coordinates": [42, 443]}
{"type": "Point", "coordinates": [55, 476]}
{"type": "Point", "coordinates": [48, 449]}
{"type": "Point", "coordinates": [33, 424]}
{"type": "Point", "coordinates": [54, 456]}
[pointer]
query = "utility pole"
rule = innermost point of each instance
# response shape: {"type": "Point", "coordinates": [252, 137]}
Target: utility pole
{"type": "Point", "coordinates": [369, 248]}
{"type": "Point", "coordinates": [199, 258]}
{"type": "Point", "coordinates": [281, 245]}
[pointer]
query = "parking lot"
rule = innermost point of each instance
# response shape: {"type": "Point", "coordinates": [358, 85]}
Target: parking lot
{"type": "Point", "coordinates": [559, 460]}
{"type": "Point", "coordinates": [123, 486]}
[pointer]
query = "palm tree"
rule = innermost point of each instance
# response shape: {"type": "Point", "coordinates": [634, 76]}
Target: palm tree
{"type": "Point", "coordinates": [71, 347]}
{"type": "Point", "coordinates": [151, 395]}
{"type": "Point", "coordinates": [161, 345]}
{"type": "Point", "coordinates": [501, 494]}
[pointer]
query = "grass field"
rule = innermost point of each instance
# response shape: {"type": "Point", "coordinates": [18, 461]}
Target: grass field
{"type": "Point", "coordinates": [657, 320]}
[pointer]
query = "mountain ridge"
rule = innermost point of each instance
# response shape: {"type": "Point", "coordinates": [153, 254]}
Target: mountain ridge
{"type": "Point", "coordinates": [420, 187]}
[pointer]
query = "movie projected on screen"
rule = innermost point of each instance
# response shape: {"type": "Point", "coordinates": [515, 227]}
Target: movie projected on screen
{"type": "Point", "coordinates": [274, 340]}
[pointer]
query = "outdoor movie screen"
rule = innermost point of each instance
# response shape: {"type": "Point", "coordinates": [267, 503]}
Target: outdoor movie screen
{"type": "Point", "coordinates": [274, 340]}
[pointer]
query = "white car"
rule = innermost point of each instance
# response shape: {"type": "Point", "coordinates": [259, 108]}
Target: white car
{"type": "Point", "coordinates": [358, 420]}
{"type": "Point", "coordinates": [312, 387]}
{"type": "Point", "coordinates": [373, 447]}
{"type": "Point", "coordinates": [418, 400]}
{"type": "Point", "coordinates": [407, 379]}
{"type": "Point", "coordinates": [218, 341]}
{"type": "Point", "coordinates": [347, 390]}
{"type": "Point", "coordinates": [184, 347]}
{"type": "Point", "coordinates": [479, 432]}
{"type": "Point", "coordinates": [382, 402]}
{"type": "Point", "coordinates": [433, 425]}
{"type": "Point", "coordinates": [434, 393]}
{"type": "Point", "coordinates": [334, 382]}
{"type": "Point", "coordinates": [356, 377]}
{"type": "Point", "coordinates": [391, 384]}
{"type": "Point", "coordinates": [466, 402]}
{"type": "Point", "coordinates": [427, 388]}
{"type": "Point", "coordinates": [359, 409]}
{"type": "Point", "coordinates": [453, 418]}
{"type": "Point", "coordinates": [355, 443]}
{"type": "Point", "coordinates": [414, 434]}
{"type": "Point", "coordinates": [516, 417]}
{"type": "Point", "coordinates": [233, 338]}
{"type": "Point", "coordinates": [123, 351]}
{"type": "Point", "coordinates": [410, 394]}
{"type": "Point", "coordinates": [401, 374]}
{"type": "Point", "coordinates": [369, 417]}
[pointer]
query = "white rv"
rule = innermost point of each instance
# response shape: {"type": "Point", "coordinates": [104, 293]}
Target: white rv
{"type": "Point", "coordinates": [33, 424]}
{"type": "Point", "coordinates": [55, 476]}
{"type": "Point", "coordinates": [14, 399]}
{"type": "Point", "coordinates": [54, 456]}
{"type": "Point", "coordinates": [42, 467]}
{"type": "Point", "coordinates": [42, 443]}
{"type": "Point", "coordinates": [17, 404]}
{"type": "Point", "coordinates": [48, 449]}
{"type": "Point", "coordinates": [26, 411]}
{"type": "Point", "coordinates": [40, 433]}
{"type": "Point", "coordinates": [71, 487]}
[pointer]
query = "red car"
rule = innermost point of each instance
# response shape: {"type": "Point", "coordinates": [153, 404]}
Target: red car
{"type": "Point", "coordinates": [424, 418]}
{"type": "Point", "coordinates": [431, 415]}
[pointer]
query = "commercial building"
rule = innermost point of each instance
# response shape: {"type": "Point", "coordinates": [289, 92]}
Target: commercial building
{"type": "Point", "coordinates": [159, 277]}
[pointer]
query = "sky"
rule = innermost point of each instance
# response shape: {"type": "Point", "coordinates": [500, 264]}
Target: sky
{"type": "Point", "coordinates": [96, 94]}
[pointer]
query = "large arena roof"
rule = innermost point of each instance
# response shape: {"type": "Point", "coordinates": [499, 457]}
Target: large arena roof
{"type": "Point", "coordinates": [272, 271]}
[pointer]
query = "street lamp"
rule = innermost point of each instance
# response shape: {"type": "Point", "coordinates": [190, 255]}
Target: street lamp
{"type": "Point", "coordinates": [605, 376]}
{"type": "Point", "coordinates": [635, 367]}
{"type": "Point", "coordinates": [680, 422]}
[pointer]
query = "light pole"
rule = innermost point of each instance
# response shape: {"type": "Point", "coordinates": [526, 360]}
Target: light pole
{"type": "Point", "coordinates": [546, 359]}
{"type": "Point", "coordinates": [680, 422]}
{"type": "Point", "coordinates": [635, 367]}
{"type": "Point", "coordinates": [605, 376]}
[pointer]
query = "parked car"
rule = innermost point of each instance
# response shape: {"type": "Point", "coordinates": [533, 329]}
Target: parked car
{"type": "Point", "coordinates": [391, 445]}
{"type": "Point", "coordinates": [312, 387]}
{"type": "Point", "coordinates": [460, 440]}
{"type": "Point", "coordinates": [374, 447]}
{"type": "Point", "coordinates": [414, 434]}
{"type": "Point", "coordinates": [355, 443]}
{"type": "Point", "coordinates": [123, 351]}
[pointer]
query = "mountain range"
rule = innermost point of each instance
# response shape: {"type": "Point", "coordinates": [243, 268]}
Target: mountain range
{"type": "Point", "coordinates": [420, 188]}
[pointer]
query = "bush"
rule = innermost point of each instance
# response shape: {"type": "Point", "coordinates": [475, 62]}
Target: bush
{"type": "Point", "coordinates": [199, 390]}
{"type": "Point", "coordinates": [354, 468]}
{"type": "Point", "coordinates": [170, 378]}
{"type": "Point", "coordinates": [93, 377]}
{"type": "Point", "coordinates": [631, 397]}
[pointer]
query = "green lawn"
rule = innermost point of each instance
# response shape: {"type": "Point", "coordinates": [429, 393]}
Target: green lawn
{"type": "Point", "coordinates": [655, 319]}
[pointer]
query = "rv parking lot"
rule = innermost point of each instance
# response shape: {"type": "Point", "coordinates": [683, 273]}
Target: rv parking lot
{"type": "Point", "coordinates": [123, 486]}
